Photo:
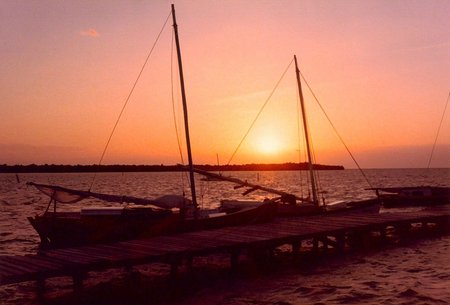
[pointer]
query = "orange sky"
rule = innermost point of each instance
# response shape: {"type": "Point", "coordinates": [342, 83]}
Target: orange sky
{"type": "Point", "coordinates": [381, 69]}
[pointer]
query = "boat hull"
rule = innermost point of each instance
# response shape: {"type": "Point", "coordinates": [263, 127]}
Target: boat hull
{"type": "Point", "coordinates": [248, 215]}
{"type": "Point", "coordinates": [414, 196]}
{"type": "Point", "coordinates": [69, 229]}
{"type": "Point", "coordinates": [63, 229]}
{"type": "Point", "coordinates": [305, 209]}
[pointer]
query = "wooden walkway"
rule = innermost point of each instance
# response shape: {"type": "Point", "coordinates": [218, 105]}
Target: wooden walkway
{"type": "Point", "coordinates": [173, 249]}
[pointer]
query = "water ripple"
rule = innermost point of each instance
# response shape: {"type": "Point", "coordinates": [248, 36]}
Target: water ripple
{"type": "Point", "coordinates": [417, 274]}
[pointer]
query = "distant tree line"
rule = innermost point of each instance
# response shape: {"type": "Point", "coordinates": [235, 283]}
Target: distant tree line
{"type": "Point", "coordinates": [55, 168]}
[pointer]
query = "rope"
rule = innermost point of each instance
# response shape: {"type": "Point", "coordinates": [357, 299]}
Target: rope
{"type": "Point", "coordinates": [439, 129]}
{"type": "Point", "coordinates": [316, 173]}
{"type": "Point", "coordinates": [305, 157]}
{"type": "Point", "coordinates": [129, 96]}
{"type": "Point", "coordinates": [259, 113]}
{"type": "Point", "coordinates": [335, 130]}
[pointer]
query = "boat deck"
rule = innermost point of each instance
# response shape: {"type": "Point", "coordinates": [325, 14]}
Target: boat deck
{"type": "Point", "coordinates": [172, 249]}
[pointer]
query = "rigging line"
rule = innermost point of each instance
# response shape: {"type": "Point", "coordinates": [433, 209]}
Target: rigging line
{"type": "Point", "coordinates": [129, 96]}
{"type": "Point", "coordinates": [183, 173]}
{"type": "Point", "coordinates": [439, 129]}
{"type": "Point", "coordinates": [335, 130]}
{"type": "Point", "coordinates": [316, 173]}
{"type": "Point", "coordinates": [301, 139]}
{"type": "Point", "coordinates": [313, 181]}
{"type": "Point", "coordinates": [305, 154]}
{"type": "Point", "coordinates": [308, 177]}
{"type": "Point", "coordinates": [259, 113]}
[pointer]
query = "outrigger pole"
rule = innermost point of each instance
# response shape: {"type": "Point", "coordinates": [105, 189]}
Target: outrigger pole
{"type": "Point", "coordinates": [185, 111]}
{"type": "Point", "coordinates": [285, 197]}
{"type": "Point", "coordinates": [305, 128]}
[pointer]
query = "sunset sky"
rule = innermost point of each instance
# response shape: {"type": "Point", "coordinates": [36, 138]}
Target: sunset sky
{"type": "Point", "coordinates": [380, 69]}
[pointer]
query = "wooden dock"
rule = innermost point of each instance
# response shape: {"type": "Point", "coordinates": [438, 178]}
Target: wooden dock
{"type": "Point", "coordinates": [336, 230]}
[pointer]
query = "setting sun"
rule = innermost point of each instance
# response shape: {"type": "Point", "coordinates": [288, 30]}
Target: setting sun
{"type": "Point", "coordinates": [268, 144]}
{"type": "Point", "coordinates": [60, 103]}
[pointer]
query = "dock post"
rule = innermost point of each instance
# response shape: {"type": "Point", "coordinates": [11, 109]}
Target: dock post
{"type": "Point", "coordinates": [234, 259]}
{"type": "Point", "coordinates": [360, 239]}
{"type": "Point", "coordinates": [403, 229]}
{"type": "Point", "coordinates": [296, 245]}
{"type": "Point", "coordinates": [78, 278]}
{"type": "Point", "coordinates": [366, 240]}
{"type": "Point", "coordinates": [443, 225]}
{"type": "Point", "coordinates": [383, 235]}
{"type": "Point", "coordinates": [325, 243]}
{"type": "Point", "coordinates": [132, 274]}
{"type": "Point", "coordinates": [340, 242]}
{"type": "Point", "coordinates": [174, 264]}
{"type": "Point", "coordinates": [40, 289]}
{"type": "Point", "coordinates": [128, 268]}
{"type": "Point", "coordinates": [315, 245]}
{"type": "Point", "coordinates": [189, 262]}
{"type": "Point", "coordinates": [270, 254]}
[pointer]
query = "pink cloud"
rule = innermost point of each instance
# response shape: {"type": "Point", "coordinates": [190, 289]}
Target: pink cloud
{"type": "Point", "coordinates": [89, 32]}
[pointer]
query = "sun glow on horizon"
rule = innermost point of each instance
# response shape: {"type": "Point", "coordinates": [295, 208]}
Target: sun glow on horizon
{"type": "Point", "coordinates": [268, 144]}
{"type": "Point", "coordinates": [59, 103]}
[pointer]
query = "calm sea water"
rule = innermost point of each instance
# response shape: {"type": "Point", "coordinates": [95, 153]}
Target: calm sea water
{"type": "Point", "coordinates": [416, 274]}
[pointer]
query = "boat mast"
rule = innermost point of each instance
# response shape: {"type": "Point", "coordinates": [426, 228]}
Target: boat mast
{"type": "Point", "coordinates": [305, 128]}
{"type": "Point", "coordinates": [185, 111]}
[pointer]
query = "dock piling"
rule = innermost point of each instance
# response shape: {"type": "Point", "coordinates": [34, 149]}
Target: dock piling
{"type": "Point", "coordinates": [342, 231]}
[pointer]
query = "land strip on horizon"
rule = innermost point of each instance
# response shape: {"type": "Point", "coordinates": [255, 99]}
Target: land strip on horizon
{"type": "Point", "coordinates": [54, 168]}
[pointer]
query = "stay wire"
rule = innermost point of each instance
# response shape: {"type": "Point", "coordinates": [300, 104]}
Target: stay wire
{"type": "Point", "coordinates": [335, 130]}
{"type": "Point", "coordinates": [439, 129]}
{"type": "Point", "coordinates": [259, 113]}
{"type": "Point", "coordinates": [129, 96]}
{"type": "Point", "coordinates": [303, 140]}
{"type": "Point", "coordinates": [316, 173]}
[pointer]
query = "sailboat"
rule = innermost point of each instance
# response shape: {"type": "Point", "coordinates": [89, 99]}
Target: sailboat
{"type": "Point", "coordinates": [292, 205]}
{"type": "Point", "coordinates": [145, 217]}
{"type": "Point", "coordinates": [413, 196]}
{"type": "Point", "coordinates": [416, 196]}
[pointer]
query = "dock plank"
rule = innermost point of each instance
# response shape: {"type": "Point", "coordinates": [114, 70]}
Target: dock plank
{"type": "Point", "coordinates": [66, 261]}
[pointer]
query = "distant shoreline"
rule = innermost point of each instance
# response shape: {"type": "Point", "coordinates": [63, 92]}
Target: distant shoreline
{"type": "Point", "coordinates": [53, 168]}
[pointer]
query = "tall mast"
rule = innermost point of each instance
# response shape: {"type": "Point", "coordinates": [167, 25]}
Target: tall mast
{"type": "Point", "coordinates": [185, 111]}
{"type": "Point", "coordinates": [305, 128]}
